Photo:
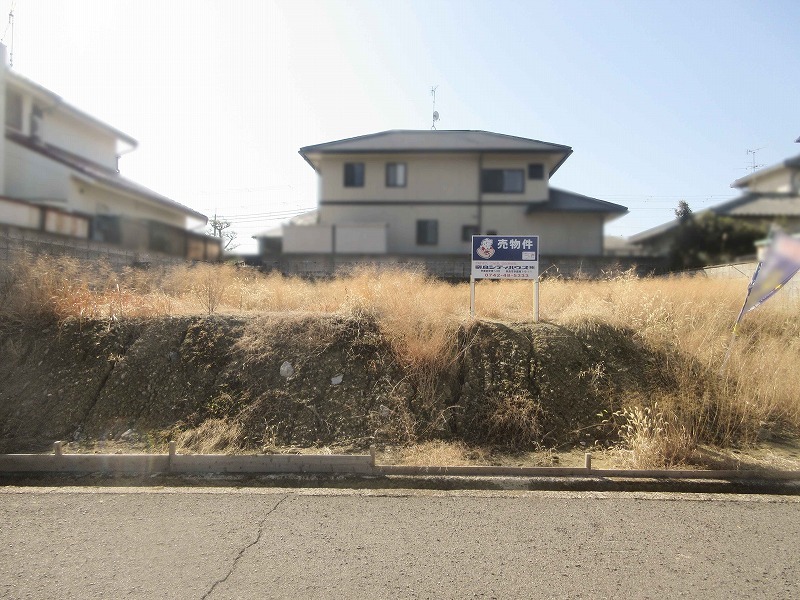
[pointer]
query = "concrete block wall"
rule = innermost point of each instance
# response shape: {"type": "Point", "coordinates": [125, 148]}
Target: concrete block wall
{"type": "Point", "coordinates": [17, 243]}
{"type": "Point", "coordinates": [456, 267]}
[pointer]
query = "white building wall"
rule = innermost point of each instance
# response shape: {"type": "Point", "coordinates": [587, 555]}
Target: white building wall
{"type": "Point", "coordinates": [98, 199]}
{"type": "Point", "coordinates": [19, 215]}
{"type": "Point", "coordinates": [68, 133]}
{"type": "Point", "coordinates": [31, 176]}
{"type": "Point", "coordinates": [778, 181]}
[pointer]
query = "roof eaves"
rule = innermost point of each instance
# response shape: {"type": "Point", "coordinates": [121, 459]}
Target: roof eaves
{"type": "Point", "coordinates": [327, 146]}
{"type": "Point", "coordinates": [561, 162]}
{"type": "Point", "coordinates": [308, 160]}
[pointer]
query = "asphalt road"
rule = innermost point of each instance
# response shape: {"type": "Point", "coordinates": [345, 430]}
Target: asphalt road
{"type": "Point", "coordinates": [271, 543]}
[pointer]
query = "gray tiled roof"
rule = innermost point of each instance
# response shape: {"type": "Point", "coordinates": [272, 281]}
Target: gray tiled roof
{"type": "Point", "coordinates": [754, 204]}
{"type": "Point", "coordinates": [564, 201]}
{"type": "Point", "coordinates": [413, 140]}
{"type": "Point", "coordinates": [761, 205]}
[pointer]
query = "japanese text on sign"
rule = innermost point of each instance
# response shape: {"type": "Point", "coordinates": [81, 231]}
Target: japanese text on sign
{"type": "Point", "coordinates": [505, 256]}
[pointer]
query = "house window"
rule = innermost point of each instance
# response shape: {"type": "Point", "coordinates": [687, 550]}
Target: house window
{"type": "Point", "coordinates": [14, 110]}
{"type": "Point", "coordinates": [106, 228]}
{"type": "Point", "coordinates": [37, 115]}
{"type": "Point", "coordinates": [354, 175]}
{"type": "Point", "coordinates": [536, 171]}
{"type": "Point", "coordinates": [395, 174]}
{"type": "Point", "coordinates": [506, 181]}
{"type": "Point", "coordinates": [427, 232]}
{"type": "Point", "coordinates": [467, 231]}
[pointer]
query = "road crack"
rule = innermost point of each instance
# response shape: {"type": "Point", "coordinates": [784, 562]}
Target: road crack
{"type": "Point", "coordinates": [245, 549]}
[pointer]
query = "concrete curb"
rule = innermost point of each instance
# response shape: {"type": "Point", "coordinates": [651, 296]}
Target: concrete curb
{"type": "Point", "coordinates": [186, 464]}
{"type": "Point", "coordinates": [358, 466]}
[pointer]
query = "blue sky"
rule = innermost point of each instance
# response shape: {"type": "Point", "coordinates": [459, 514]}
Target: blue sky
{"type": "Point", "coordinates": [660, 101]}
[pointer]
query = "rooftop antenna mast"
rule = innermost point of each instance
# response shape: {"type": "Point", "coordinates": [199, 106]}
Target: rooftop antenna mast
{"type": "Point", "coordinates": [754, 167]}
{"type": "Point", "coordinates": [435, 112]}
{"type": "Point", "coordinates": [10, 26]}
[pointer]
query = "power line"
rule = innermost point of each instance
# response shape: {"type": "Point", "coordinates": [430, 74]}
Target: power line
{"type": "Point", "coordinates": [274, 214]}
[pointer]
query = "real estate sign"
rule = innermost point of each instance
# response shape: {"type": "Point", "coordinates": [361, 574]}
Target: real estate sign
{"type": "Point", "coordinates": [505, 257]}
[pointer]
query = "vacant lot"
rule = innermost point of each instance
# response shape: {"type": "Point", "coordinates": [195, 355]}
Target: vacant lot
{"type": "Point", "coordinates": [227, 359]}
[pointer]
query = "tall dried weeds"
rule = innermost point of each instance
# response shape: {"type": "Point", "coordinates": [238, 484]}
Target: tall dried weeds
{"type": "Point", "coordinates": [686, 320]}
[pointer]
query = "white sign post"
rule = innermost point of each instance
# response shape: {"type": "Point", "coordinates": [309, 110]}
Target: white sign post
{"type": "Point", "coordinates": [505, 257]}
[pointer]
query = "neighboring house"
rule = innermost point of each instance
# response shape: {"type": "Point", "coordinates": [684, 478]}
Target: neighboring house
{"type": "Point", "coordinates": [58, 175]}
{"type": "Point", "coordinates": [768, 196]}
{"type": "Point", "coordinates": [409, 193]}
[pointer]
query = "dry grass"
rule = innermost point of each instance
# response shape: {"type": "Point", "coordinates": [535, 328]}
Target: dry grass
{"type": "Point", "coordinates": [210, 437]}
{"type": "Point", "coordinates": [680, 317]}
{"type": "Point", "coordinates": [438, 453]}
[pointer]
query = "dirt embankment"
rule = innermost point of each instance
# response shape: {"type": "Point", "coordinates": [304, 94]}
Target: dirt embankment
{"type": "Point", "coordinates": [309, 380]}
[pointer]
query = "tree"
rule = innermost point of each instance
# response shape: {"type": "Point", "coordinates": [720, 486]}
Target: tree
{"type": "Point", "coordinates": [683, 212]}
{"type": "Point", "coordinates": [708, 238]}
{"type": "Point", "coordinates": [221, 228]}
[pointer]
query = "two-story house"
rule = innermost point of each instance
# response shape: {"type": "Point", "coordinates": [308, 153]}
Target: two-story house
{"type": "Point", "coordinates": [425, 193]}
{"type": "Point", "coordinates": [59, 176]}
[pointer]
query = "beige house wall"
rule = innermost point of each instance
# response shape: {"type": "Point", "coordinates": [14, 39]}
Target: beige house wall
{"type": "Point", "coordinates": [428, 176]}
{"type": "Point", "coordinates": [56, 221]}
{"type": "Point", "coordinates": [565, 234]}
{"type": "Point", "coordinates": [445, 187]}
{"type": "Point", "coordinates": [365, 238]}
{"type": "Point", "coordinates": [535, 190]}
{"type": "Point", "coordinates": [401, 230]}
{"type": "Point", "coordinates": [311, 239]}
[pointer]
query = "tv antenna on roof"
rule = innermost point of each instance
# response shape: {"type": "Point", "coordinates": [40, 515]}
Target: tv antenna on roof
{"type": "Point", "coordinates": [10, 26]}
{"type": "Point", "coordinates": [754, 167]}
{"type": "Point", "coordinates": [435, 112]}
